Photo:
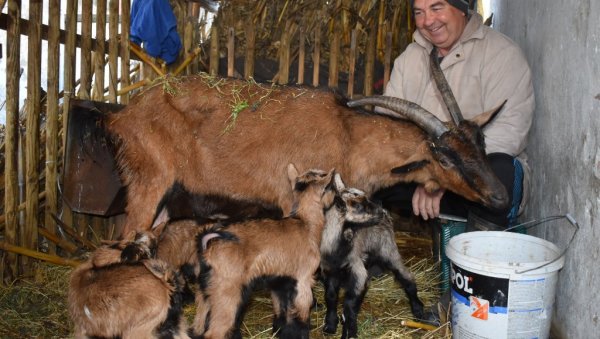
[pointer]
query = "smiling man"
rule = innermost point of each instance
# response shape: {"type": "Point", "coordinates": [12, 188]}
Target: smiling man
{"type": "Point", "coordinates": [483, 68]}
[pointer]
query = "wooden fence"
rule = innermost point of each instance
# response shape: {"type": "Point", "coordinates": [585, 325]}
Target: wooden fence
{"type": "Point", "coordinates": [34, 222]}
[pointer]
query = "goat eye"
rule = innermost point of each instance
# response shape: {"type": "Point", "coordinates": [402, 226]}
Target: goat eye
{"type": "Point", "coordinates": [445, 163]}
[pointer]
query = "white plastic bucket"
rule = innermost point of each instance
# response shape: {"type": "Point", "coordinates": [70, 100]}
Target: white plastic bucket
{"type": "Point", "coordinates": [502, 284]}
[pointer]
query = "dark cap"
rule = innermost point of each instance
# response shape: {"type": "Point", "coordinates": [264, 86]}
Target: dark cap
{"type": "Point", "coordinates": [462, 5]}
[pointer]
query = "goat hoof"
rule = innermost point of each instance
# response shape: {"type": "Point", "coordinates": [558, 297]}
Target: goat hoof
{"type": "Point", "coordinates": [329, 329]}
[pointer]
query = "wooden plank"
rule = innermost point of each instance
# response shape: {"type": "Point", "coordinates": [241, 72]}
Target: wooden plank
{"type": "Point", "coordinates": [11, 185]}
{"type": "Point", "coordinates": [69, 62]}
{"type": "Point", "coordinates": [125, 23]}
{"type": "Point", "coordinates": [53, 238]}
{"type": "Point", "coordinates": [213, 69]}
{"type": "Point", "coordinates": [97, 226]}
{"type": "Point", "coordinates": [52, 119]}
{"type": "Point", "coordinates": [32, 125]}
{"type": "Point", "coordinates": [113, 50]}
{"type": "Point", "coordinates": [99, 51]}
{"type": "Point", "coordinates": [38, 255]}
{"type": "Point", "coordinates": [316, 56]}
{"type": "Point", "coordinates": [301, 56]}
{"type": "Point", "coordinates": [250, 48]}
{"type": "Point", "coordinates": [352, 63]}
{"type": "Point", "coordinates": [85, 51]}
{"type": "Point", "coordinates": [71, 232]}
{"type": "Point", "coordinates": [230, 51]}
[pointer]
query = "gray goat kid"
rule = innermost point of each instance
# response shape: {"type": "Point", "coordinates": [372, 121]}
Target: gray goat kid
{"type": "Point", "coordinates": [347, 252]}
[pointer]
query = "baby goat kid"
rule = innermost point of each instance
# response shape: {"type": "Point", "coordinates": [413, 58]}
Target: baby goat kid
{"type": "Point", "coordinates": [120, 291]}
{"type": "Point", "coordinates": [346, 254]}
{"type": "Point", "coordinates": [282, 253]}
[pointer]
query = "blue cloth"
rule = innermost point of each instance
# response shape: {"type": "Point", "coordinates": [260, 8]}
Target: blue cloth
{"type": "Point", "coordinates": [154, 24]}
{"type": "Point", "coordinates": [517, 193]}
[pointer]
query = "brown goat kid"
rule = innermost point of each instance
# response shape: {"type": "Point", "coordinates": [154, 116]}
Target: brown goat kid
{"type": "Point", "coordinates": [121, 292]}
{"type": "Point", "coordinates": [283, 254]}
{"type": "Point", "coordinates": [225, 138]}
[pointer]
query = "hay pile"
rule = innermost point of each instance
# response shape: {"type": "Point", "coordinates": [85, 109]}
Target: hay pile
{"type": "Point", "coordinates": [38, 308]}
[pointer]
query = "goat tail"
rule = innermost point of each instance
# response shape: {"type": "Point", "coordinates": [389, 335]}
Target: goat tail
{"type": "Point", "coordinates": [214, 232]}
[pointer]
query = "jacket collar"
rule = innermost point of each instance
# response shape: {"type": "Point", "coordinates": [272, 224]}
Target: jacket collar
{"type": "Point", "coordinates": [473, 30]}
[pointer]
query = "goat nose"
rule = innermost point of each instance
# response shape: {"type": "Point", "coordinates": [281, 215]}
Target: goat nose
{"type": "Point", "coordinates": [499, 200]}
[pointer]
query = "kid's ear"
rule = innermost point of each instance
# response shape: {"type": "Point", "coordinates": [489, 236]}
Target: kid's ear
{"type": "Point", "coordinates": [292, 173]}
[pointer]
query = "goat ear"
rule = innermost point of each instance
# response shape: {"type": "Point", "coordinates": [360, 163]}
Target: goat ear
{"type": "Point", "coordinates": [486, 117]}
{"type": "Point", "coordinates": [338, 183]}
{"type": "Point", "coordinates": [160, 219]}
{"type": "Point", "coordinates": [411, 166]}
{"type": "Point", "coordinates": [292, 173]}
{"type": "Point", "coordinates": [158, 229]}
{"type": "Point", "coordinates": [332, 173]}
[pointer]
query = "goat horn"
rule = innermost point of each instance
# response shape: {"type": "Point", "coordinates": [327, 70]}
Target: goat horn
{"type": "Point", "coordinates": [404, 109]}
{"type": "Point", "coordinates": [444, 88]}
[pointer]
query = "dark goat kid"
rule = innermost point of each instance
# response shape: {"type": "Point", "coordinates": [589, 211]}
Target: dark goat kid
{"type": "Point", "coordinates": [120, 291]}
{"type": "Point", "coordinates": [348, 252]}
{"type": "Point", "coordinates": [194, 138]}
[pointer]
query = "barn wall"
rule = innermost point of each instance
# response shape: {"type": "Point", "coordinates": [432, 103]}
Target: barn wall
{"type": "Point", "coordinates": [561, 40]}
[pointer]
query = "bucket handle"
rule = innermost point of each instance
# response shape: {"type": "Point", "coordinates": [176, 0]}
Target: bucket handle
{"type": "Point", "coordinates": [535, 222]}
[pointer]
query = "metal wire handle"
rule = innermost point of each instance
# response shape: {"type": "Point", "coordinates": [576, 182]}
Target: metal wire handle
{"type": "Point", "coordinates": [535, 222]}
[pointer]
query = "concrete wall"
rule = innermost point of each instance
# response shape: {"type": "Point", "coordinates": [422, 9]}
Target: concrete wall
{"type": "Point", "coordinates": [561, 40]}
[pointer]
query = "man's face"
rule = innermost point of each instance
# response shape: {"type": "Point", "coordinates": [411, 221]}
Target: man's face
{"type": "Point", "coordinates": [439, 22]}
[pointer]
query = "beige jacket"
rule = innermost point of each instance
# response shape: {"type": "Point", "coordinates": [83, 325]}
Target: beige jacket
{"type": "Point", "coordinates": [483, 69]}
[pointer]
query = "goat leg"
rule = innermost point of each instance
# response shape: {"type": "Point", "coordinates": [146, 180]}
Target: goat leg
{"type": "Point", "coordinates": [332, 287]}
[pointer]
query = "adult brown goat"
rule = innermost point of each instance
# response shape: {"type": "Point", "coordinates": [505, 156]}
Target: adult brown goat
{"type": "Point", "coordinates": [224, 138]}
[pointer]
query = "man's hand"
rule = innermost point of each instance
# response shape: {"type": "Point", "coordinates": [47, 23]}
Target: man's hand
{"type": "Point", "coordinates": [427, 205]}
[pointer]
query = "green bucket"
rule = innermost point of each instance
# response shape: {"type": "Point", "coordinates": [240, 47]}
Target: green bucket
{"type": "Point", "coordinates": [448, 230]}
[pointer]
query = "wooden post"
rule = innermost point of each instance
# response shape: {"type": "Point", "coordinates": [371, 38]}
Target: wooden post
{"type": "Point", "coordinates": [86, 50]}
{"type": "Point", "coordinates": [333, 57]}
{"type": "Point", "coordinates": [69, 82]}
{"type": "Point", "coordinates": [113, 50]}
{"type": "Point", "coordinates": [214, 50]}
{"type": "Point", "coordinates": [230, 51]}
{"type": "Point", "coordinates": [11, 186]}
{"type": "Point", "coordinates": [52, 118]}
{"type": "Point", "coordinates": [370, 59]}
{"type": "Point", "coordinates": [352, 63]}
{"type": "Point", "coordinates": [301, 56]}
{"type": "Point", "coordinates": [32, 148]}
{"type": "Point", "coordinates": [387, 61]}
{"type": "Point", "coordinates": [195, 36]}
{"type": "Point", "coordinates": [99, 53]}
{"type": "Point", "coordinates": [250, 42]}
{"type": "Point", "coordinates": [284, 58]}
{"type": "Point", "coordinates": [316, 55]}
{"type": "Point", "coordinates": [188, 35]}
{"type": "Point", "coordinates": [125, 22]}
